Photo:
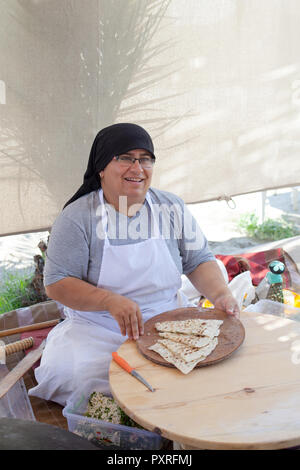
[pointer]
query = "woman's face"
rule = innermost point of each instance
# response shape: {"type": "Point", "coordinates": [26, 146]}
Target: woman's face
{"type": "Point", "coordinates": [132, 182]}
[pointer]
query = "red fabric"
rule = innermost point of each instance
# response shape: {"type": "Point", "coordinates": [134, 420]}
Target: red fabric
{"type": "Point", "coordinates": [38, 336]}
{"type": "Point", "coordinates": [258, 264]}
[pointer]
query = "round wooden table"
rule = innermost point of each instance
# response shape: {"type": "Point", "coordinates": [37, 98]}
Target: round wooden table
{"type": "Point", "coordinates": [251, 400]}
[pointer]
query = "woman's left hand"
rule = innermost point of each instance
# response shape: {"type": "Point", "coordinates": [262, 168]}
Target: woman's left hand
{"type": "Point", "coordinates": [228, 304]}
{"type": "Point", "coordinates": [209, 280]}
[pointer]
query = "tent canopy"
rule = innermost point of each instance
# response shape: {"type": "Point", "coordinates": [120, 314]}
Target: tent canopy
{"type": "Point", "coordinates": [215, 82]}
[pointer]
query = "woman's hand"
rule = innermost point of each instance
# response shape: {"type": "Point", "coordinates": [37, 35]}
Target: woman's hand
{"type": "Point", "coordinates": [228, 304]}
{"type": "Point", "coordinates": [81, 295]}
{"type": "Point", "coordinates": [127, 313]}
{"type": "Point", "coordinates": [209, 280]}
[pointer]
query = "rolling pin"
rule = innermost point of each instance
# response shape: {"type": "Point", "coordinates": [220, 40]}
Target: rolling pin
{"type": "Point", "coordinates": [34, 326]}
{"type": "Point", "coordinates": [18, 346]}
{"type": "Point", "coordinates": [7, 349]}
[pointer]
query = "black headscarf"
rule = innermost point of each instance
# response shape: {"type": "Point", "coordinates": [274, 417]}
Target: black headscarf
{"type": "Point", "coordinates": [111, 141]}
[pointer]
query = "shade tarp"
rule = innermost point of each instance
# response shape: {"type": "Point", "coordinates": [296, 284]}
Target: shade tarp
{"type": "Point", "coordinates": [215, 82]}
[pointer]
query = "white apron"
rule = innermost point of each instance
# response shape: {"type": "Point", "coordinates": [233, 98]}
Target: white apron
{"type": "Point", "coordinates": [78, 350]}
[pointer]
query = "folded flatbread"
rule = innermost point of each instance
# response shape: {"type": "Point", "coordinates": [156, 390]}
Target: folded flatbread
{"type": "Point", "coordinates": [165, 353]}
{"type": "Point", "coordinates": [185, 343]}
{"type": "Point", "coordinates": [195, 327]}
{"type": "Point", "coordinates": [186, 353]}
{"type": "Point", "coordinates": [190, 340]}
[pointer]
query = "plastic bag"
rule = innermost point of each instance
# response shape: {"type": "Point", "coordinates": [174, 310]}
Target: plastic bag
{"type": "Point", "coordinates": [15, 403]}
{"type": "Point", "coordinates": [191, 293]}
{"type": "Point", "coordinates": [242, 289]}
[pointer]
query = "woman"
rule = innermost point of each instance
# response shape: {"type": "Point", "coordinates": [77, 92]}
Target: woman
{"type": "Point", "coordinates": [110, 266]}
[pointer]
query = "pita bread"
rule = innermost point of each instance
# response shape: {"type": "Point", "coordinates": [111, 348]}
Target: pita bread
{"type": "Point", "coordinates": [185, 343]}
{"type": "Point", "coordinates": [211, 332]}
{"type": "Point", "coordinates": [195, 327]}
{"type": "Point", "coordinates": [188, 354]}
{"type": "Point", "coordinates": [189, 340]}
{"type": "Point", "coordinates": [165, 353]}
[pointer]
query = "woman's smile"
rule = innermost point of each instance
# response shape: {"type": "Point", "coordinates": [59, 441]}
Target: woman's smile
{"type": "Point", "coordinates": [134, 180]}
{"type": "Point", "coordinates": [134, 183]}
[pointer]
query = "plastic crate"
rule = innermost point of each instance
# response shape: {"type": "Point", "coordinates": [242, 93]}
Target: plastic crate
{"type": "Point", "coordinates": [101, 432]}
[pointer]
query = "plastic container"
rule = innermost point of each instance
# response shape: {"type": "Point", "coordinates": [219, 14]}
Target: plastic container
{"type": "Point", "coordinates": [101, 432]}
{"type": "Point", "coordinates": [16, 403]}
{"type": "Point", "coordinates": [275, 308]}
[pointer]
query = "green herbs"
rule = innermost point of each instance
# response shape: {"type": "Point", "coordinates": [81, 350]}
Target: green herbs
{"type": "Point", "coordinates": [126, 421]}
{"type": "Point", "coordinates": [270, 229]}
{"type": "Point", "coordinates": [106, 409]}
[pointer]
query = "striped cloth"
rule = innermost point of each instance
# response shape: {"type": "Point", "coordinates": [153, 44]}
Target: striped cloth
{"type": "Point", "coordinates": [257, 263]}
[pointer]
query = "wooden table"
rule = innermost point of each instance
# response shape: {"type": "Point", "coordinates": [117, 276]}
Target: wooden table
{"type": "Point", "coordinates": [249, 401]}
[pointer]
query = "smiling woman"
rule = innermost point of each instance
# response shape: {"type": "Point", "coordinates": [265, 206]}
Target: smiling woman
{"type": "Point", "coordinates": [127, 175]}
{"type": "Point", "coordinates": [111, 142]}
{"type": "Point", "coordinates": [110, 285]}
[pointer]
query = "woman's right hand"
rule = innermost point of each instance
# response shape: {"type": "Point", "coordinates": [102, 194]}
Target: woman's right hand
{"type": "Point", "coordinates": [80, 295]}
{"type": "Point", "coordinates": [128, 315]}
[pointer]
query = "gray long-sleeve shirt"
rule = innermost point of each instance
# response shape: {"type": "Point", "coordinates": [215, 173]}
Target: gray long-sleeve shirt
{"type": "Point", "coordinates": [76, 241]}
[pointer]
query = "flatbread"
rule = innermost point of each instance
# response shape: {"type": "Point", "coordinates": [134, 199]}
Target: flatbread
{"type": "Point", "coordinates": [211, 332]}
{"type": "Point", "coordinates": [184, 367]}
{"type": "Point", "coordinates": [190, 340]}
{"type": "Point", "coordinates": [187, 353]}
{"type": "Point", "coordinates": [184, 343]}
{"type": "Point", "coordinates": [195, 327]}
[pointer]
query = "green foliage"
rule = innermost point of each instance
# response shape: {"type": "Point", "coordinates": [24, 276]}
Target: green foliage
{"type": "Point", "coordinates": [248, 224]}
{"type": "Point", "coordinates": [270, 229]}
{"type": "Point", "coordinates": [16, 291]}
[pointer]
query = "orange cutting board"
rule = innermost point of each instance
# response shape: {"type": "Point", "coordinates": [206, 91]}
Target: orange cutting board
{"type": "Point", "coordinates": [232, 334]}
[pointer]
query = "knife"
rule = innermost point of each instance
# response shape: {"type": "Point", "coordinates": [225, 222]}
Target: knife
{"type": "Point", "coordinates": [119, 360]}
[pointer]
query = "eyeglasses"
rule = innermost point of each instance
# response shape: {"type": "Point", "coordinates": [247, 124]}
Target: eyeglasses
{"type": "Point", "coordinates": [126, 161]}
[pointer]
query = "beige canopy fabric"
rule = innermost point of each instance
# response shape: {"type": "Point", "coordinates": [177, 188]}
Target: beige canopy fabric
{"type": "Point", "coordinates": [215, 82]}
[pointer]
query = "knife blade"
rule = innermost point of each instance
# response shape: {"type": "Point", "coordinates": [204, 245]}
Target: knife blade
{"type": "Point", "coordinates": [119, 360]}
